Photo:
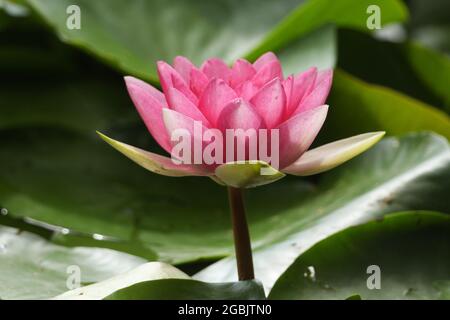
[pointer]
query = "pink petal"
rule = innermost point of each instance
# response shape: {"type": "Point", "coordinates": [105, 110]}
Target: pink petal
{"type": "Point", "coordinates": [242, 71]}
{"type": "Point", "coordinates": [265, 59]}
{"type": "Point", "coordinates": [169, 77]}
{"type": "Point", "coordinates": [149, 105]}
{"type": "Point", "coordinates": [216, 68]}
{"type": "Point", "coordinates": [288, 87]}
{"type": "Point", "coordinates": [198, 81]}
{"type": "Point", "coordinates": [270, 102]}
{"type": "Point", "coordinates": [183, 66]}
{"type": "Point", "coordinates": [247, 90]}
{"type": "Point", "coordinates": [318, 94]}
{"type": "Point", "coordinates": [216, 95]}
{"type": "Point", "coordinates": [178, 102]}
{"type": "Point", "coordinates": [268, 72]}
{"type": "Point", "coordinates": [174, 121]}
{"type": "Point", "coordinates": [158, 95]}
{"type": "Point", "coordinates": [239, 114]}
{"type": "Point", "coordinates": [298, 133]}
{"type": "Point", "coordinates": [302, 86]}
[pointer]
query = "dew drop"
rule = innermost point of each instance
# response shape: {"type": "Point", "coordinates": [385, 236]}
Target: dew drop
{"type": "Point", "coordinates": [97, 236]}
{"type": "Point", "coordinates": [310, 274]}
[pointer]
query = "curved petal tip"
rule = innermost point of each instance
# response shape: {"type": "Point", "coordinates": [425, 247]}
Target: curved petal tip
{"type": "Point", "coordinates": [333, 154]}
{"type": "Point", "coordinates": [155, 162]}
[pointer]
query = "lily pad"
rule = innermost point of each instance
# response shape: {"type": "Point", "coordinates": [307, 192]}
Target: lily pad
{"type": "Point", "coordinates": [406, 67]}
{"type": "Point", "coordinates": [317, 48]}
{"type": "Point", "coordinates": [33, 268]}
{"type": "Point", "coordinates": [184, 289]}
{"type": "Point", "coordinates": [186, 219]}
{"type": "Point", "coordinates": [64, 88]}
{"type": "Point", "coordinates": [412, 172]}
{"type": "Point", "coordinates": [376, 108]}
{"type": "Point", "coordinates": [403, 256]}
{"type": "Point", "coordinates": [147, 272]}
{"type": "Point", "coordinates": [429, 23]}
{"type": "Point", "coordinates": [315, 14]}
{"type": "Point", "coordinates": [160, 281]}
{"type": "Point", "coordinates": [133, 35]}
{"type": "Point", "coordinates": [92, 189]}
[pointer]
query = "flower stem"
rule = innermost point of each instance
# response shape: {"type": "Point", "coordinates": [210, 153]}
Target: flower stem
{"type": "Point", "coordinates": [241, 235]}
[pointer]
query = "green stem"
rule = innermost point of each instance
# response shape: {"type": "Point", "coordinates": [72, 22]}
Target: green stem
{"type": "Point", "coordinates": [241, 235]}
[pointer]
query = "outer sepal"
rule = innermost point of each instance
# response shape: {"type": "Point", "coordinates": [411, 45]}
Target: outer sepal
{"type": "Point", "coordinates": [247, 174]}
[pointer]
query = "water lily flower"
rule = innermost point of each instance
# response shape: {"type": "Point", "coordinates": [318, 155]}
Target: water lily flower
{"type": "Point", "coordinates": [245, 96]}
{"type": "Point", "coordinates": [249, 97]}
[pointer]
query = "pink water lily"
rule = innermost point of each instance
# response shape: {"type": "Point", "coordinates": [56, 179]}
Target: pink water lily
{"type": "Point", "coordinates": [245, 96]}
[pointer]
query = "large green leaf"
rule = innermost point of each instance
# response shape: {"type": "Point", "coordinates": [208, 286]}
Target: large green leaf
{"type": "Point", "coordinates": [65, 179]}
{"type": "Point", "coordinates": [409, 252]}
{"type": "Point", "coordinates": [132, 35]}
{"type": "Point", "coordinates": [160, 281]}
{"type": "Point", "coordinates": [316, 13]}
{"type": "Point", "coordinates": [13, 8]}
{"type": "Point", "coordinates": [412, 172]}
{"type": "Point", "coordinates": [376, 108]}
{"type": "Point", "coordinates": [318, 48]}
{"type": "Point", "coordinates": [49, 84]}
{"type": "Point", "coordinates": [184, 219]}
{"type": "Point", "coordinates": [82, 104]}
{"type": "Point", "coordinates": [433, 68]}
{"type": "Point", "coordinates": [186, 289]}
{"type": "Point", "coordinates": [430, 23]}
{"type": "Point", "coordinates": [9, 11]}
{"type": "Point", "coordinates": [150, 271]}
{"type": "Point", "coordinates": [407, 67]}
{"type": "Point", "coordinates": [33, 268]}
